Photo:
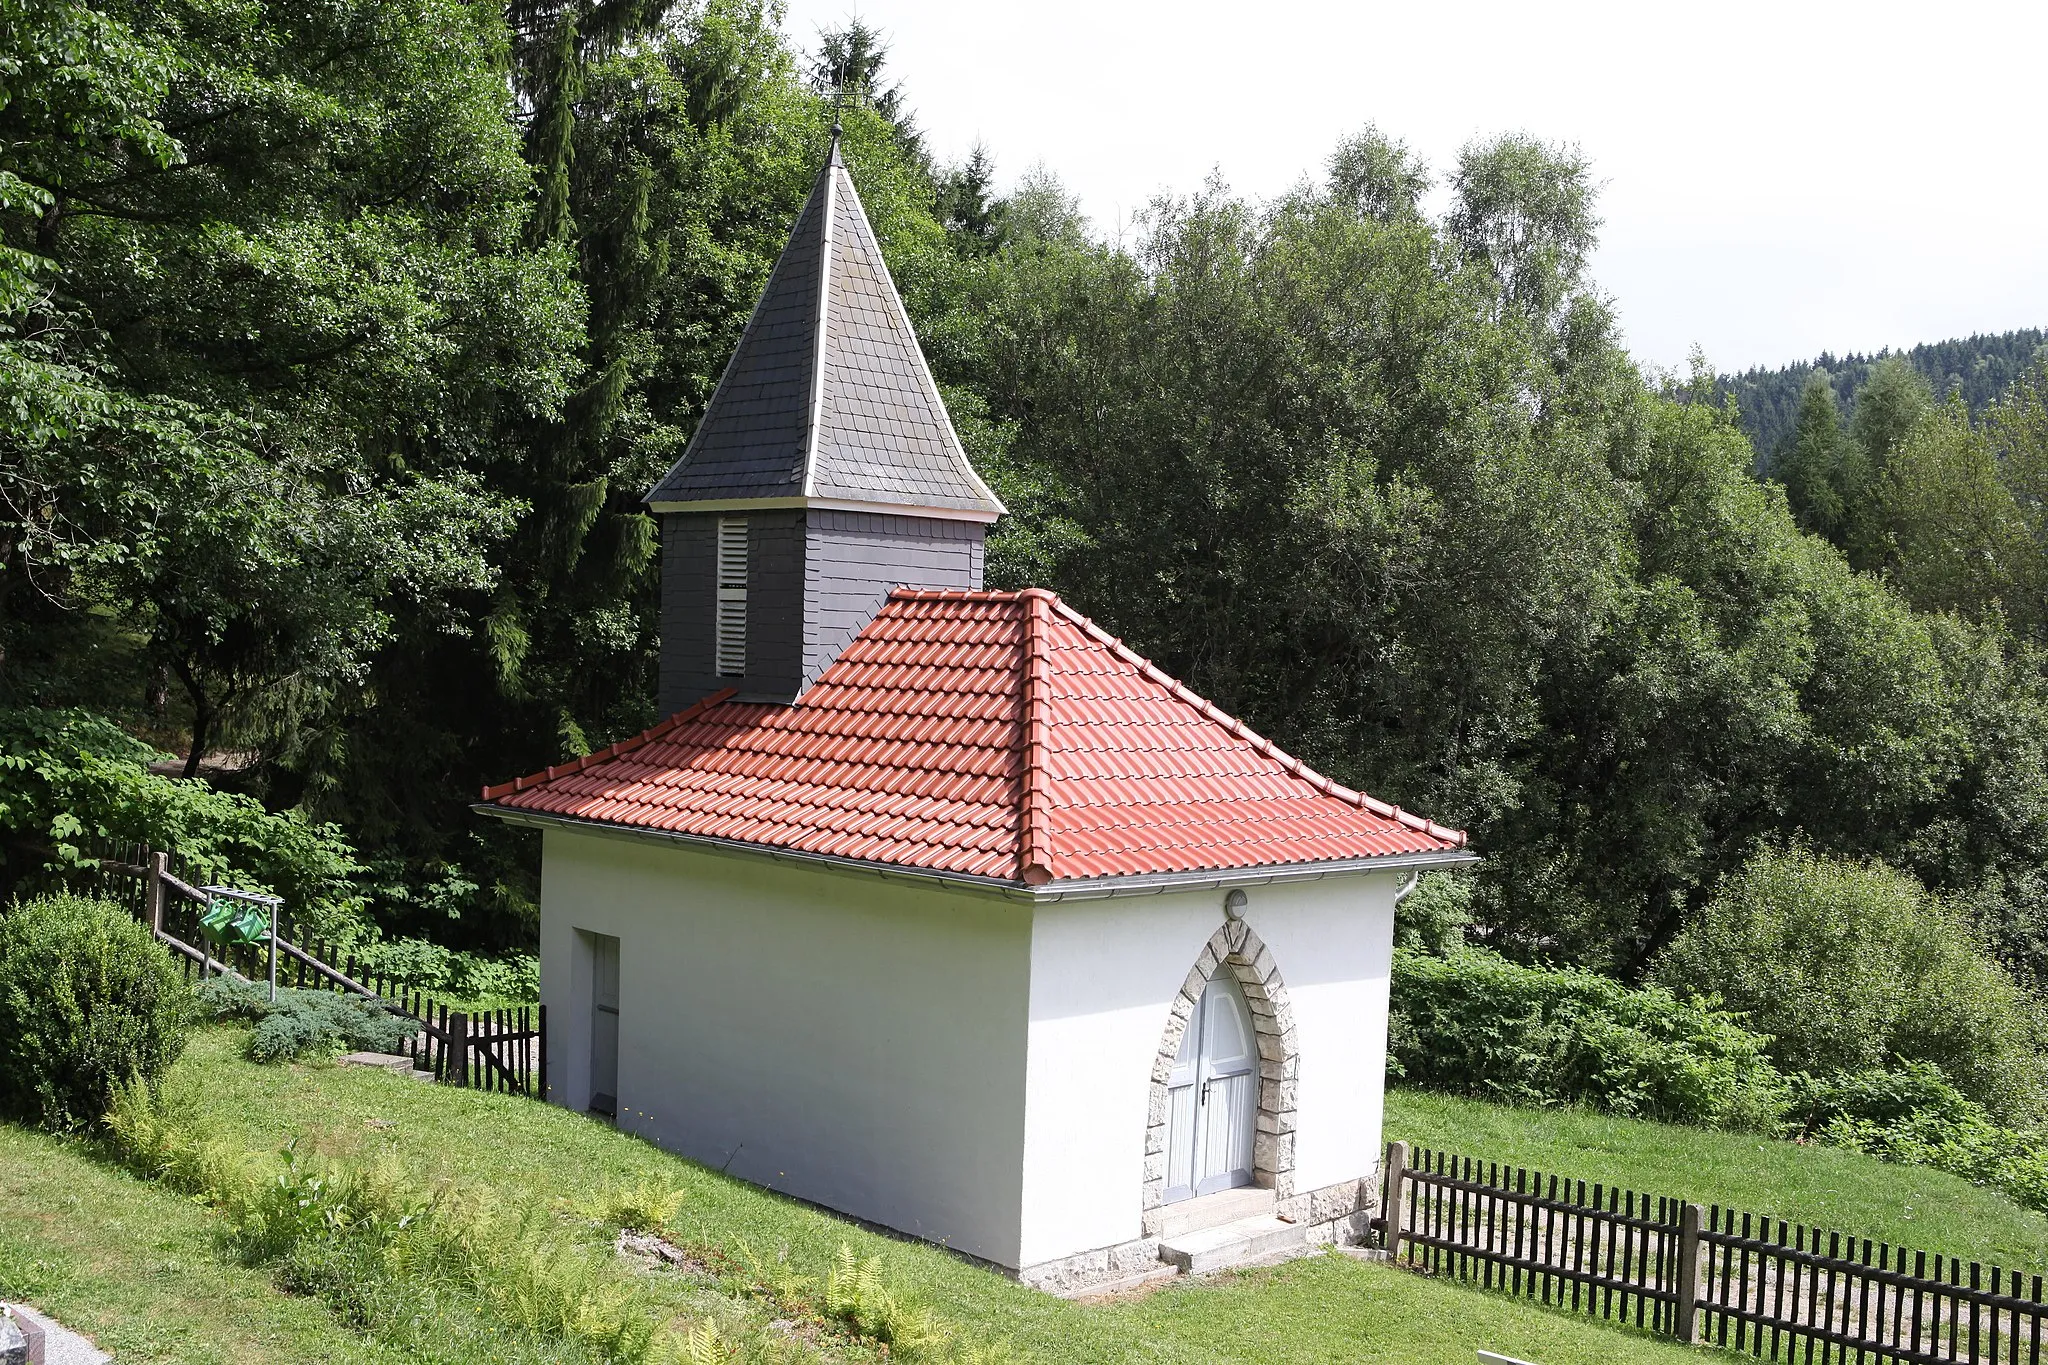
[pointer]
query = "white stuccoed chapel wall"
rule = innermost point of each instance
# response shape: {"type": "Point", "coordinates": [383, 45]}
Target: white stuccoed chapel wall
{"type": "Point", "coordinates": [853, 1041]}
{"type": "Point", "coordinates": [959, 1066]}
{"type": "Point", "coordinates": [1104, 974]}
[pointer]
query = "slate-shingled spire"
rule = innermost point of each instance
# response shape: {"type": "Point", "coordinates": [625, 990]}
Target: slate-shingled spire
{"type": "Point", "coordinates": [824, 473]}
{"type": "Point", "coordinates": [827, 400]}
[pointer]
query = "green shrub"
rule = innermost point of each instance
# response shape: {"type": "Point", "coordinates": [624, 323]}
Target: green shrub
{"type": "Point", "coordinates": [1916, 1091]}
{"type": "Point", "coordinates": [66, 775]}
{"type": "Point", "coordinates": [88, 1001]}
{"type": "Point", "coordinates": [1847, 966]}
{"type": "Point", "coordinates": [1473, 1023]}
{"type": "Point", "coordinates": [1433, 917]}
{"type": "Point", "coordinates": [305, 1023]}
{"type": "Point", "coordinates": [1914, 1116]}
{"type": "Point", "coordinates": [513, 979]}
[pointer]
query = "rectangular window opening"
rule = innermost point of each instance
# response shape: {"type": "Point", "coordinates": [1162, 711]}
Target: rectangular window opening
{"type": "Point", "coordinates": [732, 596]}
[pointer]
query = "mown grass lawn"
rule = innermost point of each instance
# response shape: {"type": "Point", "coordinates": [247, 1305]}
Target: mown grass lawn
{"type": "Point", "coordinates": [1328, 1308]}
{"type": "Point", "coordinates": [1825, 1187]}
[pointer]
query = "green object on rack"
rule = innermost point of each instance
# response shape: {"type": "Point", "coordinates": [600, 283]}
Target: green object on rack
{"type": "Point", "coordinates": [215, 921]}
{"type": "Point", "coordinates": [228, 922]}
{"type": "Point", "coordinates": [252, 925]}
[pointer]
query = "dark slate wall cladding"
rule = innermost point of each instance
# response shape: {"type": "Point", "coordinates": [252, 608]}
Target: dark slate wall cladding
{"type": "Point", "coordinates": [852, 559]}
{"type": "Point", "coordinates": [688, 562]}
{"type": "Point", "coordinates": [689, 607]}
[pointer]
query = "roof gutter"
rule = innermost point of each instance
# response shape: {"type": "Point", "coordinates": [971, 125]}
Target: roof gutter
{"type": "Point", "coordinates": [1091, 888]}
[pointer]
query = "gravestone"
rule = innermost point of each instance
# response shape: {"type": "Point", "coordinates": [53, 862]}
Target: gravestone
{"type": "Point", "coordinates": [44, 1342]}
{"type": "Point", "coordinates": [21, 1341]}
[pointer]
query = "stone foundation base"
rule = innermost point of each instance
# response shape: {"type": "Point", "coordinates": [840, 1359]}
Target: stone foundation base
{"type": "Point", "coordinates": [1335, 1215]}
{"type": "Point", "coordinates": [1100, 1266]}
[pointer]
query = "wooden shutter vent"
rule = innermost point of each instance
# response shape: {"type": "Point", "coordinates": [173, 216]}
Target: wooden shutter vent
{"type": "Point", "coordinates": [732, 596]}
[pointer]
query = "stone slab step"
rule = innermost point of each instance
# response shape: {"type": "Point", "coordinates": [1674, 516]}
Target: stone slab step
{"type": "Point", "coordinates": [1229, 1244]}
{"type": "Point", "coordinates": [1214, 1210]}
{"type": "Point", "coordinates": [382, 1061]}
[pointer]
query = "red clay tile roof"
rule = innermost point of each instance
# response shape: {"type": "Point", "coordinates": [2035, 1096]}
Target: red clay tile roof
{"type": "Point", "coordinates": [990, 734]}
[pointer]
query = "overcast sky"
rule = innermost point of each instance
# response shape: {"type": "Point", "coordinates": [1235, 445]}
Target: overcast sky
{"type": "Point", "coordinates": [1779, 178]}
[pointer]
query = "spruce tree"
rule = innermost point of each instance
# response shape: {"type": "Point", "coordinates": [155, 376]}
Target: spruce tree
{"type": "Point", "coordinates": [1816, 460]}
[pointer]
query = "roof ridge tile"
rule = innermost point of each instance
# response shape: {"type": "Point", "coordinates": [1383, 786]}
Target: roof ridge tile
{"type": "Point", "coordinates": [1034, 845]}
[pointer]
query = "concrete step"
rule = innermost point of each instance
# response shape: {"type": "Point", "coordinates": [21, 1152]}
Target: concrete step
{"type": "Point", "coordinates": [1214, 1210]}
{"type": "Point", "coordinates": [1229, 1244]}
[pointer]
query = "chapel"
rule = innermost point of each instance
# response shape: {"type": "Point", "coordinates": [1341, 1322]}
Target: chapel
{"type": "Point", "coordinates": [941, 906]}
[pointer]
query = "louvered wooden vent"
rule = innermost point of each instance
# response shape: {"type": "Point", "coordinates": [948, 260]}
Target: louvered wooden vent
{"type": "Point", "coordinates": [732, 596]}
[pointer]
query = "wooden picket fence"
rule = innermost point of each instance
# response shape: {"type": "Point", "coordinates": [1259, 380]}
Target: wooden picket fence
{"type": "Point", "coordinates": [1771, 1289]}
{"type": "Point", "coordinates": [503, 1050]}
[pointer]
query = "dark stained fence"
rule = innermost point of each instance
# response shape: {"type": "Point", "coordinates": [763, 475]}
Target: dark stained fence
{"type": "Point", "coordinates": [1590, 1248]}
{"type": "Point", "coordinates": [1781, 1291]}
{"type": "Point", "coordinates": [1767, 1288]}
{"type": "Point", "coordinates": [503, 1050]}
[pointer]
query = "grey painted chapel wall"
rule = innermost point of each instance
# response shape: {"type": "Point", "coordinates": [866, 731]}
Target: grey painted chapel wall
{"type": "Point", "coordinates": [814, 579]}
{"type": "Point", "coordinates": [852, 559]}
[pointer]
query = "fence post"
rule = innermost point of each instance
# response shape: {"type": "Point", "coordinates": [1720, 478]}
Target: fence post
{"type": "Point", "coordinates": [1390, 1202]}
{"type": "Point", "coordinates": [1686, 1321]}
{"type": "Point", "coordinates": [159, 864]}
{"type": "Point", "coordinates": [458, 1046]}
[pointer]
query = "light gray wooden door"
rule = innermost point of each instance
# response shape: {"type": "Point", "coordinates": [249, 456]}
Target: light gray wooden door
{"type": "Point", "coordinates": [1213, 1096]}
{"type": "Point", "coordinates": [604, 1025]}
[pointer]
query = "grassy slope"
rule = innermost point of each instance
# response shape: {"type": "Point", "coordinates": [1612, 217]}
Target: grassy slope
{"type": "Point", "coordinates": [136, 1268]}
{"type": "Point", "coordinates": [1826, 1187]}
{"type": "Point", "coordinates": [1325, 1309]}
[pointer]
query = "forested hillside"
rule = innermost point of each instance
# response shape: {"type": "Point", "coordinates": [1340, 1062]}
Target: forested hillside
{"type": "Point", "coordinates": [1980, 368]}
{"type": "Point", "coordinates": [341, 341]}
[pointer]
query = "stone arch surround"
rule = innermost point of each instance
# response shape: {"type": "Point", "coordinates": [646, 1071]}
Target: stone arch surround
{"type": "Point", "coordinates": [1238, 947]}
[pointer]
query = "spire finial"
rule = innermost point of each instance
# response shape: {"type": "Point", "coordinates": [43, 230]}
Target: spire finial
{"type": "Point", "coordinates": [836, 131]}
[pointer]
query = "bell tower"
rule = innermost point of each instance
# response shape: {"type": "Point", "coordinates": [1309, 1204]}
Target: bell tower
{"type": "Point", "coordinates": [824, 473]}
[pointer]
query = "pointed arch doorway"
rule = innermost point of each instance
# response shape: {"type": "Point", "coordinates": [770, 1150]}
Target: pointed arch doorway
{"type": "Point", "coordinates": [1213, 1096]}
{"type": "Point", "coordinates": [1236, 956]}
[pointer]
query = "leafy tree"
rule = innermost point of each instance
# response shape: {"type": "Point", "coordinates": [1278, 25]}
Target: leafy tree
{"type": "Point", "coordinates": [1041, 213]}
{"type": "Point", "coordinates": [1953, 537]}
{"type": "Point", "coordinates": [269, 426]}
{"type": "Point", "coordinates": [1324, 466]}
{"type": "Point", "coordinates": [1293, 452]}
{"type": "Point", "coordinates": [1377, 175]}
{"type": "Point", "coordinates": [1524, 209]}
